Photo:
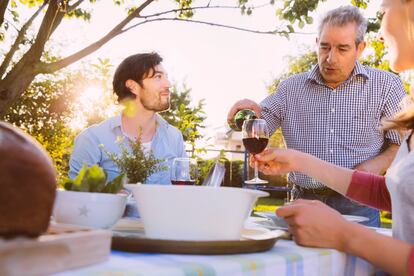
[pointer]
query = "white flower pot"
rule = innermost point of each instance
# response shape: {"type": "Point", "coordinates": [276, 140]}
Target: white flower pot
{"type": "Point", "coordinates": [99, 210]}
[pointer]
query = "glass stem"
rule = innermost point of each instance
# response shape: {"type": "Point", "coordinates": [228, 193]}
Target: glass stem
{"type": "Point", "coordinates": [256, 171]}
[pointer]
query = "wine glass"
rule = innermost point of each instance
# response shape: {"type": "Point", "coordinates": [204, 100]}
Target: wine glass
{"type": "Point", "coordinates": [184, 171]}
{"type": "Point", "coordinates": [255, 139]}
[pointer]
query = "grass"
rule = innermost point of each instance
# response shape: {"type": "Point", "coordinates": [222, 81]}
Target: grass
{"type": "Point", "coordinates": [271, 204]}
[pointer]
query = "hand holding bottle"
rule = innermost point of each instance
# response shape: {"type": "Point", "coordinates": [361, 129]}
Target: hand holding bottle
{"type": "Point", "coordinates": [241, 105]}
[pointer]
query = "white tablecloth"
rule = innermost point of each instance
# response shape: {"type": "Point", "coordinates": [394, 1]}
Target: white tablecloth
{"type": "Point", "coordinates": [285, 258]}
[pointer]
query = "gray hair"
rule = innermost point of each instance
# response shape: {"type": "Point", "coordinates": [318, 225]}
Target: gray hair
{"type": "Point", "coordinates": [342, 16]}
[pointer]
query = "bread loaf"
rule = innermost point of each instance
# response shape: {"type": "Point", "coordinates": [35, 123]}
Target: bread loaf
{"type": "Point", "coordinates": [27, 184]}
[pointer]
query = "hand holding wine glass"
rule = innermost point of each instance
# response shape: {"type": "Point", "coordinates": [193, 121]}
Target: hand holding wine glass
{"type": "Point", "coordinates": [255, 139]}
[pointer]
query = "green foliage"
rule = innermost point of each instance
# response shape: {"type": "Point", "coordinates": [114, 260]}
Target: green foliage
{"type": "Point", "coordinates": [189, 120]}
{"type": "Point", "coordinates": [93, 180]}
{"type": "Point", "coordinates": [204, 167]}
{"type": "Point", "coordinates": [374, 24]}
{"type": "Point", "coordinates": [360, 3]}
{"type": "Point", "coordinates": [42, 112]}
{"type": "Point", "coordinates": [79, 13]}
{"type": "Point", "coordinates": [376, 58]}
{"type": "Point", "coordinates": [297, 11]}
{"type": "Point", "coordinates": [185, 8]}
{"type": "Point", "coordinates": [234, 173]}
{"type": "Point", "coordinates": [134, 163]}
{"type": "Point", "coordinates": [47, 108]}
{"type": "Point", "coordinates": [234, 170]}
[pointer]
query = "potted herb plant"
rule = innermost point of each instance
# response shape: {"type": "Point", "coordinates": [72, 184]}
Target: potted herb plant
{"type": "Point", "coordinates": [136, 165]}
{"type": "Point", "coordinates": [90, 200]}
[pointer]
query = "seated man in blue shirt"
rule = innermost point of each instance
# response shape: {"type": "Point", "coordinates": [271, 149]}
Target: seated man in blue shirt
{"type": "Point", "coordinates": [142, 80]}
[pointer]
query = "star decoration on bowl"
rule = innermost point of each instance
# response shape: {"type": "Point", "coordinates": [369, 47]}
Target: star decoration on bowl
{"type": "Point", "coordinates": [83, 211]}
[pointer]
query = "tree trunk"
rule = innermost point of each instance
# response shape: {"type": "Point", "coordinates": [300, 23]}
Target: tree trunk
{"type": "Point", "coordinates": [3, 6]}
{"type": "Point", "coordinates": [12, 88]}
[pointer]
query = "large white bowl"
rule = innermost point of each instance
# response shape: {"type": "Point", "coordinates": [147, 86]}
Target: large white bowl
{"type": "Point", "coordinates": [99, 210]}
{"type": "Point", "coordinates": [194, 212]}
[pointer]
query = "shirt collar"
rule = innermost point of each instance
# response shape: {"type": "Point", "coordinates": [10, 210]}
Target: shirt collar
{"type": "Point", "coordinates": [359, 69]}
{"type": "Point", "coordinates": [116, 121]}
{"type": "Point", "coordinates": [161, 121]}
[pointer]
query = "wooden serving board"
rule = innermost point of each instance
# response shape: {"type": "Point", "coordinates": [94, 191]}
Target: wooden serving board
{"type": "Point", "coordinates": [129, 235]}
{"type": "Point", "coordinates": [62, 247]}
{"type": "Point", "coordinates": [136, 243]}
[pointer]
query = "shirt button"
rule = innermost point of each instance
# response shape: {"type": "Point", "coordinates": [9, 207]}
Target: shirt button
{"type": "Point", "coordinates": [331, 151]}
{"type": "Point", "coordinates": [332, 131]}
{"type": "Point", "coordinates": [333, 110]}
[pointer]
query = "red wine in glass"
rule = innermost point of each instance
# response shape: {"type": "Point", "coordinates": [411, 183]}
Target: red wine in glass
{"type": "Point", "coordinates": [183, 182]}
{"type": "Point", "coordinates": [255, 138]}
{"type": "Point", "coordinates": [255, 145]}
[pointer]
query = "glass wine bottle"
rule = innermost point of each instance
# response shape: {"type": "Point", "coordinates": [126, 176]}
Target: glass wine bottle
{"type": "Point", "coordinates": [240, 117]}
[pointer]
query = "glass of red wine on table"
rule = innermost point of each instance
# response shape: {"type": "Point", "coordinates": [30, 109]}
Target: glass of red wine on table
{"type": "Point", "coordinates": [255, 139]}
{"type": "Point", "coordinates": [184, 171]}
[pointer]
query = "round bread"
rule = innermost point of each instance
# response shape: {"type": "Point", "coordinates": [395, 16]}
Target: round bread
{"type": "Point", "coordinates": [27, 184]}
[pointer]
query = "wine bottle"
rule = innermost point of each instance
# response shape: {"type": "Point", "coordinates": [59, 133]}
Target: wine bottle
{"type": "Point", "coordinates": [240, 117]}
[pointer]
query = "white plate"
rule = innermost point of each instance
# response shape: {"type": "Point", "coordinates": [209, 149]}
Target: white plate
{"type": "Point", "coordinates": [273, 222]}
{"type": "Point", "coordinates": [252, 231]}
{"type": "Point", "coordinates": [276, 222]}
{"type": "Point", "coordinates": [355, 218]}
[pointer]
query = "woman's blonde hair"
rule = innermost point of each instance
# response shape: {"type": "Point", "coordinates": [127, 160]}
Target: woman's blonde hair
{"type": "Point", "coordinates": [404, 120]}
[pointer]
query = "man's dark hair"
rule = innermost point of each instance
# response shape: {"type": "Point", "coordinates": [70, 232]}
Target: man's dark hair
{"type": "Point", "coordinates": [136, 67]}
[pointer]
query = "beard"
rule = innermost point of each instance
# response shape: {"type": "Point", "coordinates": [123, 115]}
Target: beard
{"type": "Point", "coordinates": [156, 104]}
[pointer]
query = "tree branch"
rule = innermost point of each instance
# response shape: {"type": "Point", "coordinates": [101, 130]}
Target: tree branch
{"type": "Point", "coordinates": [20, 36]}
{"type": "Point", "coordinates": [276, 31]}
{"type": "Point", "coordinates": [3, 6]}
{"type": "Point", "coordinates": [71, 8]}
{"type": "Point", "coordinates": [59, 17]}
{"type": "Point", "coordinates": [32, 56]}
{"type": "Point", "coordinates": [11, 23]}
{"type": "Point", "coordinates": [54, 66]}
{"type": "Point", "coordinates": [199, 8]}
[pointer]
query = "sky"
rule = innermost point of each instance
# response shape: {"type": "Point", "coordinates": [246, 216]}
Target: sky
{"type": "Point", "coordinates": [219, 65]}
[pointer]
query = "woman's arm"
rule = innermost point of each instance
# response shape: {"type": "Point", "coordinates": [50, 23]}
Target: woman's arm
{"type": "Point", "coordinates": [364, 187]}
{"type": "Point", "coordinates": [394, 256]}
{"type": "Point", "coordinates": [369, 189]}
{"type": "Point", "coordinates": [275, 161]}
{"type": "Point", "coordinates": [312, 223]}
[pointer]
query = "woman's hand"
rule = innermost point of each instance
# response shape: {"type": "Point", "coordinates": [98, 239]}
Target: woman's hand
{"type": "Point", "coordinates": [315, 224]}
{"type": "Point", "coordinates": [277, 161]}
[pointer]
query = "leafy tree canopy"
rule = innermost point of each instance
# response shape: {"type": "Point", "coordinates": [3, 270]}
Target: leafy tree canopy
{"type": "Point", "coordinates": [27, 55]}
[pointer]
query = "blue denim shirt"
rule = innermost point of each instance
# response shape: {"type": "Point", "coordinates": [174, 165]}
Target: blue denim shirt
{"type": "Point", "coordinates": [167, 144]}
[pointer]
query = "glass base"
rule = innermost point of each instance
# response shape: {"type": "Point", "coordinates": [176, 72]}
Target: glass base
{"type": "Point", "coordinates": [256, 181]}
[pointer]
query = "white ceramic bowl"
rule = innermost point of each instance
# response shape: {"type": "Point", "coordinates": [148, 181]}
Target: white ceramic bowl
{"type": "Point", "coordinates": [99, 210]}
{"type": "Point", "coordinates": [194, 212]}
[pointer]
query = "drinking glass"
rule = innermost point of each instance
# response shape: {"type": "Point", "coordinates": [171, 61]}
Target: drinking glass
{"type": "Point", "coordinates": [184, 171]}
{"type": "Point", "coordinates": [291, 180]}
{"type": "Point", "coordinates": [255, 139]}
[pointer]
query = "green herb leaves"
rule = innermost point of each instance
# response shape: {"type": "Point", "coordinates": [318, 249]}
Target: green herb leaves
{"type": "Point", "coordinates": [94, 180]}
{"type": "Point", "coordinates": [134, 163]}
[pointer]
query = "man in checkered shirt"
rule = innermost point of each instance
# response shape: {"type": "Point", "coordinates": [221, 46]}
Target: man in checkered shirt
{"type": "Point", "coordinates": [334, 112]}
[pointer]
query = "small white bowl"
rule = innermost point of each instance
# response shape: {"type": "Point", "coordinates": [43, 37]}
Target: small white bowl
{"type": "Point", "coordinates": [199, 213]}
{"type": "Point", "coordinates": [99, 210]}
